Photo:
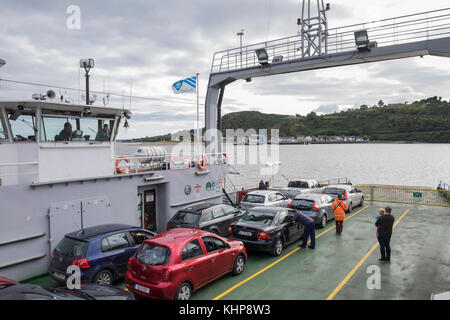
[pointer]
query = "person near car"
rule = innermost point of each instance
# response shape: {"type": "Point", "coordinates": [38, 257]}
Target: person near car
{"type": "Point", "coordinates": [339, 207]}
{"type": "Point", "coordinates": [267, 185]}
{"type": "Point", "coordinates": [262, 185]}
{"type": "Point", "coordinates": [386, 223]}
{"type": "Point", "coordinates": [310, 231]}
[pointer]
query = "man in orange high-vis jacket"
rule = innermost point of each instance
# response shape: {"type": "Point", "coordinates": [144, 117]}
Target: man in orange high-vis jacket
{"type": "Point", "coordinates": [339, 207]}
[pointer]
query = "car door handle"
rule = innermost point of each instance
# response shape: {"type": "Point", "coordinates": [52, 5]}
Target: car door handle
{"type": "Point", "coordinates": [213, 259]}
{"type": "Point", "coordinates": [189, 268]}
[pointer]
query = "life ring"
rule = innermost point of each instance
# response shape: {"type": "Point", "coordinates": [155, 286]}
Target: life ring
{"type": "Point", "coordinates": [118, 169]}
{"type": "Point", "coordinates": [199, 161]}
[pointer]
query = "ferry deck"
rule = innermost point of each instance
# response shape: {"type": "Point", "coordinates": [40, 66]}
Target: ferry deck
{"type": "Point", "coordinates": [341, 267]}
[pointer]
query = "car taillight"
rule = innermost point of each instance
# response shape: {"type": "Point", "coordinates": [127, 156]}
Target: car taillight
{"type": "Point", "coordinates": [129, 263]}
{"type": "Point", "coordinates": [52, 254]}
{"type": "Point", "coordinates": [263, 235]}
{"type": "Point", "coordinates": [168, 226]}
{"type": "Point", "coordinates": [81, 263]}
{"type": "Point", "coordinates": [289, 205]}
{"type": "Point", "coordinates": [166, 275]}
{"type": "Point", "coordinates": [230, 229]}
{"type": "Point", "coordinates": [315, 207]}
{"type": "Point", "coordinates": [345, 195]}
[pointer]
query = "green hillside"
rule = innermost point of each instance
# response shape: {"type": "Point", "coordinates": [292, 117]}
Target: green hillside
{"type": "Point", "coordinates": [427, 120]}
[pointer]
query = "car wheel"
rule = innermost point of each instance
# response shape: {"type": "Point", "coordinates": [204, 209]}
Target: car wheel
{"type": "Point", "coordinates": [350, 207]}
{"type": "Point", "coordinates": [362, 202]}
{"type": "Point", "coordinates": [214, 231]}
{"type": "Point", "coordinates": [184, 292]}
{"type": "Point", "coordinates": [323, 223]}
{"type": "Point", "coordinates": [104, 277]}
{"type": "Point", "coordinates": [277, 247]}
{"type": "Point", "coordinates": [239, 265]}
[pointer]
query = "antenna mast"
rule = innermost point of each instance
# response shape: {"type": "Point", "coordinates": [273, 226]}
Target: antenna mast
{"type": "Point", "coordinates": [313, 30]}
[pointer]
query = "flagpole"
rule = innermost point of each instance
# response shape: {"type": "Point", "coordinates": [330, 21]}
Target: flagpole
{"type": "Point", "coordinates": [198, 110]}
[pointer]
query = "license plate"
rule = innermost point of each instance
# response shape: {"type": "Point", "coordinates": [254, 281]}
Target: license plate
{"type": "Point", "coordinates": [245, 233]}
{"type": "Point", "coordinates": [141, 288]}
{"type": "Point", "coordinates": [59, 276]}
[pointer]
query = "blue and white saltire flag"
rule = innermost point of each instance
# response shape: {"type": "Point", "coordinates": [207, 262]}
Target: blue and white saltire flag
{"type": "Point", "coordinates": [186, 85]}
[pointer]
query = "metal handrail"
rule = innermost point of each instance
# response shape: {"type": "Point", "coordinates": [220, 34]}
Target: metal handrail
{"type": "Point", "coordinates": [404, 29]}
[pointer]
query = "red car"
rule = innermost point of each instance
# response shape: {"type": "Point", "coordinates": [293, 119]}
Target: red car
{"type": "Point", "coordinates": [177, 262]}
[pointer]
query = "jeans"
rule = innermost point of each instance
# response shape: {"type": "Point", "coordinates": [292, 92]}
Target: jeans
{"type": "Point", "coordinates": [310, 232]}
{"type": "Point", "coordinates": [385, 247]}
{"type": "Point", "coordinates": [339, 226]}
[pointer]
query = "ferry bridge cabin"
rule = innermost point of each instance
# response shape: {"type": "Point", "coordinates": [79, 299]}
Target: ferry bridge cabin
{"type": "Point", "coordinates": [50, 187]}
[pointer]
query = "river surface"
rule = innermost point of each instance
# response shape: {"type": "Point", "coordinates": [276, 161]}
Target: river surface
{"type": "Point", "coordinates": [399, 164]}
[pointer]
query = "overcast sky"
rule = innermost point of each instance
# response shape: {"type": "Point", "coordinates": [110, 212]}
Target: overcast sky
{"type": "Point", "coordinates": [154, 43]}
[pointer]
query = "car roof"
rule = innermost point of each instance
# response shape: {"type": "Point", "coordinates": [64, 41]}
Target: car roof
{"type": "Point", "coordinates": [200, 207]}
{"type": "Point", "coordinates": [340, 186]}
{"type": "Point", "coordinates": [91, 232]}
{"type": "Point", "coordinates": [178, 236]}
{"type": "Point", "coordinates": [273, 210]}
{"type": "Point", "coordinates": [311, 196]}
{"type": "Point", "coordinates": [262, 192]}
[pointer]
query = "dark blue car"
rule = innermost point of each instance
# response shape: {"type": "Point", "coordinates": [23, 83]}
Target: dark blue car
{"type": "Point", "coordinates": [101, 252]}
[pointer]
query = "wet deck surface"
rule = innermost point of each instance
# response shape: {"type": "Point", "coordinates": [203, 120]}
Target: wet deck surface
{"type": "Point", "coordinates": [338, 267]}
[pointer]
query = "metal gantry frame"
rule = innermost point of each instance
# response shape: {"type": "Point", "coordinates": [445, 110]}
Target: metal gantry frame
{"type": "Point", "coordinates": [313, 30]}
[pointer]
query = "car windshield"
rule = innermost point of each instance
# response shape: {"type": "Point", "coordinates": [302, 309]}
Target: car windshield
{"type": "Point", "coordinates": [298, 184]}
{"type": "Point", "coordinates": [253, 198]}
{"type": "Point", "coordinates": [186, 217]}
{"type": "Point", "coordinates": [153, 255]}
{"type": "Point", "coordinates": [257, 217]}
{"type": "Point", "coordinates": [334, 191]}
{"type": "Point", "coordinates": [302, 203]}
{"type": "Point", "coordinates": [72, 247]}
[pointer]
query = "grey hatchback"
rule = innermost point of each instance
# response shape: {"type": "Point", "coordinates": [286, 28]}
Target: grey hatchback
{"type": "Point", "coordinates": [316, 206]}
{"type": "Point", "coordinates": [207, 216]}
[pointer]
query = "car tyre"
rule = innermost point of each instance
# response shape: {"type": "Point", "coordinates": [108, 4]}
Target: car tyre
{"type": "Point", "coordinates": [362, 202]}
{"type": "Point", "coordinates": [239, 265]}
{"type": "Point", "coordinates": [184, 292]}
{"type": "Point", "coordinates": [323, 223]}
{"type": "Point", "coordinates": [277, 247]}
{"type": "Point", "coordinates": [104, 277]}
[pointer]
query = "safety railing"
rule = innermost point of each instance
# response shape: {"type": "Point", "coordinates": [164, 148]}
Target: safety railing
{"type": "Point", "coordinates": [335, 181]}
{"type": "Point", "coordinates": [400, 30]}
{"type": "Point", "coordinates": [126, 164]}
{"type": "Point", "coordinates": [406, 195]}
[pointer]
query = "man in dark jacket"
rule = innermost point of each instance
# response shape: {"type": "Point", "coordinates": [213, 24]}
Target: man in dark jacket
{"type": "Point", "coordinates": [386, 223]}
{"type": "Point", "coordinates": [310, 231]}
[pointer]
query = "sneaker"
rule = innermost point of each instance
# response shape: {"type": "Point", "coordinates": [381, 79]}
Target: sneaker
{"type": "Point", "coordinates": [301, 246]}
{"type": "Point", "coordinates": [381, 260]}
{"type": "Point", "coordinates": [311, 247]}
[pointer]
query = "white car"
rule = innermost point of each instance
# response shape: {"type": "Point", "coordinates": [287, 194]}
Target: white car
{"type": "Point", "coordinates": [353, 196]}
{"type": "Point", "coordinates": [266, 198]}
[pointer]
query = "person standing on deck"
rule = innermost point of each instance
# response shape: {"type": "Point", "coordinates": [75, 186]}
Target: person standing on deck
{"type": "Point", "coordinates": [310, 231]}
{"type": "Point", "coordinates": [386, 223]}
{"type": "Point", "coordinates": [262, 185]}
{"type": "Point", "coordinates": [339, 207]}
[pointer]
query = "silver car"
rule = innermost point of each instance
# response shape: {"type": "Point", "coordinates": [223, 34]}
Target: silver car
{"type": "Point", "coordinates": [316, 206]}
{"type": "Point", "coordinates": [353, 196]}
{"type": "Point", "coordinates": [266, 198]}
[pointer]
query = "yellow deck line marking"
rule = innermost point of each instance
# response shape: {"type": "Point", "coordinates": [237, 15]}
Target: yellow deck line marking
{"type": "Point", "coordinates": [280, 259]}
{"type": "Point", "coordinates": [343, 282]}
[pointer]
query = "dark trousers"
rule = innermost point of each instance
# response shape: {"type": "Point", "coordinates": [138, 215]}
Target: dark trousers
{"type": "Point", "coordinates": [310, 232]}
{"type": "Point", "coordinates": [385, 247]}
{"type": "Point", "coordinates": [339, 226]}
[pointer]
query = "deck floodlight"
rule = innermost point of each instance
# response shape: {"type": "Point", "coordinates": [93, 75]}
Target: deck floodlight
{"type": "Point", "coordinates": [262, 55]}
{"type": "Point", "coordinates": [361, 39]}
{"type": "Point", "coordinates": [87, 64]}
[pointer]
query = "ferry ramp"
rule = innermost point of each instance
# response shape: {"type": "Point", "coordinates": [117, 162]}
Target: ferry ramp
{"type": "Point", "coordinates": [338, 267]}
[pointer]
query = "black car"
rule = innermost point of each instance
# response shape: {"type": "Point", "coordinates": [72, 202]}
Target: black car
{"type": "Point", "coordinates": [17, 291]}
{"type": "Point", "coordinates": [267, 229]}
{"type": "Point", "coordinates": [207, 216]}
{"type": "Point", "coordinates": [101, 252]}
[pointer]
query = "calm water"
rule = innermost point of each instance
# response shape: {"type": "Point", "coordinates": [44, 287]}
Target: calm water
{"type": "Point", "coordinates": [401, 164]}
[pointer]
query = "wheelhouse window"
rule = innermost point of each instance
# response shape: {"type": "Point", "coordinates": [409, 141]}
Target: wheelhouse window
{"type": "Point", "coordinates": [23, 126]}
{"type": "Point", "coordinates": [72, 127]}
{"type": "Point", "coordinates": [3, 132]}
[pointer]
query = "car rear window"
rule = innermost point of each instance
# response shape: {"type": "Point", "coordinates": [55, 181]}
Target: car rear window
{"type": "Point", "coordinates": [257, 217]}
{"type": "Point", "coordinates": [253, 198]}
{"type": "Point", "coordinates": [334, 191]}
{"type": "Point", "coordinates": [72, 247]}
{"type": "Point", "coordinates": [186, 217]}
{"type": "Point", "coordinates": [298, 184]}
{"type": "Point", "coordinates": [153, 255]}
{"type": "Point", "coordinates": [302, 203]}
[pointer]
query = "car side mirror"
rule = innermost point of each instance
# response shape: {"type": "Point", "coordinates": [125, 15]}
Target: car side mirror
{"type": "Point", "coordinates": [227, 245]}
